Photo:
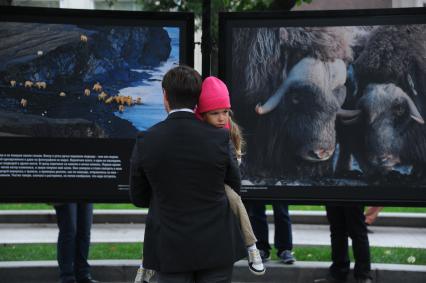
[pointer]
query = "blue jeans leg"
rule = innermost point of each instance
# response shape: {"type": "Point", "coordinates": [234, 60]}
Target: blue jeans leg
{"type": "Point", "coordinates": [67, 224]}
{"type": "Point", "coordinates": [84, 225]}
{"type": "Point", "coordinates": [74, 223]}
{"type": "Point", "coordinates": [283, 238]}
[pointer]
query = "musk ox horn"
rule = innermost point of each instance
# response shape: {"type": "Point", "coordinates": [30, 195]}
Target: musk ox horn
{"type": "Point", "coordinates": [414, 112]}
{"type": "Point", "coordinates": [326, 75]}
{"type": "Point", "coordinates": [272, 101]}
{"type": "Point", "coordinates": [349, 117]}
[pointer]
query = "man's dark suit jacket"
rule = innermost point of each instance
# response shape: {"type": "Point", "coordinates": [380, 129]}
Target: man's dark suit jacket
{"type": "Point", "coordinates": [178, 169]}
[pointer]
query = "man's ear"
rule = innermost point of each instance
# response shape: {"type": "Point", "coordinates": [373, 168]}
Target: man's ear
{"type": "Point", "coordinates": [166, 101]}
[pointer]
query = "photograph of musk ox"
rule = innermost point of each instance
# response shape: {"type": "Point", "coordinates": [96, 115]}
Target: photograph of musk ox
{"type": "Point", "coordinates": [82, 81]}
{"type": "Point", "coordinates": [331, 106]}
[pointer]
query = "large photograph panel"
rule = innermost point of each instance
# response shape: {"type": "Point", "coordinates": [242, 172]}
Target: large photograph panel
{"type": "Point", "coordinates": [329, 106]}
{"type": "Point", "coordinates": [75, 88]}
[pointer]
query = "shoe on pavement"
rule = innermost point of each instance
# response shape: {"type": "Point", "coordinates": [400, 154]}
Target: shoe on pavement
{"type": "Point", "coordinates": [287, 257]}
{"type": "Point", "coordinates": [265, 255]}
{"type": "Point", "coordinates": [255, 262]}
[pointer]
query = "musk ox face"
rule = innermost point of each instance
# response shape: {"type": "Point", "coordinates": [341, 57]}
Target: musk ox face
{"type": "Point", "coordinates": [388, 115]}
{"type": "Point", "coordinates": [308, 101]}
{"type": "Point", "coordinates": [309, 121]}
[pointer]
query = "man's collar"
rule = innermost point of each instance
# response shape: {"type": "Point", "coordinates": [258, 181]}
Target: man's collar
{"type": "Point", "coordinates": [181, 110]}
{"type": "Point", "coordinates": [181, 114]}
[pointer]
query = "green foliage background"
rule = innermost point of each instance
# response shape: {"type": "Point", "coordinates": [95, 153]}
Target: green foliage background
{"type": "Point", "coordinates": [217, 6]}
{"type": "Point", "coordinates": [195, 6]}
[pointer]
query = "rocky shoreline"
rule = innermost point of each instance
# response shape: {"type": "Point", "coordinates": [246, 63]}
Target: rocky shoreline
{"type": "Point", "coordinates": [47, 68]}
{"type": "Point", "coordinates": [51, 106]}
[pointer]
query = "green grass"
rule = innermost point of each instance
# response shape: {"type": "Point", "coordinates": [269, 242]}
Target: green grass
{"type": "Point", "coordinates": [29, 206]}
{"type": "Point", "coordinates": [28, 252]}
{"type": "Point", "coordinates": [25, 252]}
{"type": "Point", "coordinates": [33, 206]}
{"type": "Point", "coordinates": [386, 209]}
{"type": "Point", "coordinates": [378, 255]}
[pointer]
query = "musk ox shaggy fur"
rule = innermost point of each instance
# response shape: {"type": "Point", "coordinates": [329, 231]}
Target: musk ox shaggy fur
{"type": "Point", "coordinates": [270, 53]}
{"type": "Point", "coordinates": [393, 130]}
{"type": "Point", "coordinates": [390, 90]}
{"type": "Point", "coordinates": [394, 54]}
{"type": "Point", "coordinates": [287, 88]}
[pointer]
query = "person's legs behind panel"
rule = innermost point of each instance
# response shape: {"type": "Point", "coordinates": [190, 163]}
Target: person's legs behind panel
{"type": "Point", "coordinates": [357, 231]}
{"type": "Point", "coordinates": [66, 216]}
{"type": "Point", "coordinates": [84, 225]}
{"type": "Point", "coordinates": [283, 238]}
{"type": "Point", "coordinates": [340, 265]}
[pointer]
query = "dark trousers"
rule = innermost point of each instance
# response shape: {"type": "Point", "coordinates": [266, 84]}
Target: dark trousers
{"type": "Point", "coordinates": [74, 223]}
{"type": "Point", "coordinates": [215, 275]}
{"type": "Point", "coordinates": [283, 239]}
{"type": "Point", "coordinates": [348, 221]}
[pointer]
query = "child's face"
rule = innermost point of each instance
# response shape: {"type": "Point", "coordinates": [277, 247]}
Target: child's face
{"type": "Point", "coordinates": [218, 118]}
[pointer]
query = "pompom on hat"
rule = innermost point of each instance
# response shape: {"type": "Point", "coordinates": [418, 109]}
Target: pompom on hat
{"type": "Point", "coordinates": [214, 95]}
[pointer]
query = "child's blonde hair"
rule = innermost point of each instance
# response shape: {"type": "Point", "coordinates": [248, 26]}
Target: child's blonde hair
{"type": "Point", "coordinates": [236, 137]}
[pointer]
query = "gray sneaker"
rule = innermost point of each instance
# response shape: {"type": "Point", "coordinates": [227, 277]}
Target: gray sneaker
{"type": "Point", "coordinates": [287, 257]}
{"type": "Point", "coordinates": [255, 262]}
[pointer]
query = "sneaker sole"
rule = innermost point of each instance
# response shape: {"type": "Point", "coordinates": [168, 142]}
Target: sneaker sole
{"type": "Point", "coordinates": [258, 273]}
{"type": "Point", "coordinates": [290, 261]}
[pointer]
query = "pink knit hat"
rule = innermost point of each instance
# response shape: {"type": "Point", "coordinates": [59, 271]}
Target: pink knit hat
{"type": "Point", "coordinates": [214, 95]}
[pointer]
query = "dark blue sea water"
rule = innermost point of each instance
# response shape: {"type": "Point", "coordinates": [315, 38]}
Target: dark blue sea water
{"type": "Point", "coordinates": [152, 110]}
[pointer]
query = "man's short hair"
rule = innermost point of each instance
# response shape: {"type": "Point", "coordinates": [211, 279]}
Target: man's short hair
{"type": "Point", "coordinates": [183, 87]}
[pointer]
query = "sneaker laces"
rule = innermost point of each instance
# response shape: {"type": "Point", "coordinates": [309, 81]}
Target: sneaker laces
{"type": "Point", "coordinates": [254, 256]}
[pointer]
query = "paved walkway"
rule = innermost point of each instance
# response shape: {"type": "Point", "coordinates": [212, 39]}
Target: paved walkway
{"type": "Point", "coordinates": [124, 271]}
{"type": "Point", "coordinates": [126, 233]}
